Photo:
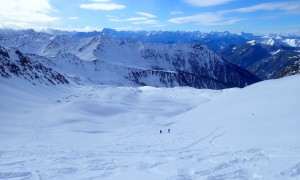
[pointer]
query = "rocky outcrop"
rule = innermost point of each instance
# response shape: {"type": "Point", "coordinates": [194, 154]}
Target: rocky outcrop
{"type": "Point", "coordinates": [17, 64]}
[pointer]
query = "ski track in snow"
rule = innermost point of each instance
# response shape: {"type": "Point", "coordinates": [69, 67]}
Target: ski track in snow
{"type": "Point", "coordinates": [106, 163]}
{"type": "Point", "coordinates": [122, 141]}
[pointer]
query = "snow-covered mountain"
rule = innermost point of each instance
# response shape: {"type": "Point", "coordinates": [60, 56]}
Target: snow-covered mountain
{"type": "Point", "coordinates": [108, 60]}
{"type": "Point", "coordinates": [258, 54]}
{"type": "Point", "coordinates": [281, 40]}
{"type": "Point", "coordinates": [266, 59]}
{"type": "Point", "coordinates": [266, 66]}
{"type": "Point", "coordinates": [214, 40]}
{"type": "Point", "coordinates": [14, 64]}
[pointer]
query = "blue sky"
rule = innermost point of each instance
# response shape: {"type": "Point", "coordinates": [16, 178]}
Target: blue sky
{"type": "Point", "coordinates": [257, 16]}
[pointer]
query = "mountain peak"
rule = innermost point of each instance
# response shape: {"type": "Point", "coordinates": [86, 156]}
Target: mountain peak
{"type": "Point", "coordinates": [108, 59]}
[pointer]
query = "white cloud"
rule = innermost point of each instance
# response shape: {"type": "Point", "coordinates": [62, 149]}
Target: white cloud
{"type": "Point", "coordinates": [70, 28]}
{"type": "Point", "coordinates": [144, 18]}
{"type": "Point", "coordinates": [129, 28]}
{"type": "Point", "coordinates": [26, 13]}
{"type": "Point", "coordinates": [205, 19]}
{"type": "Point", "coordinates": [111, 17]}
{"type": "Point", "coordinates": [218, 18]}
{"type": "Point", "coordinates": [205, 3]}
{"type": "Point", "coordinates": [73, 18]}
{"type": "Point", "coordinates": [149, 21]}
{"type": "Point", "coordinates": [176, 12]}
{"type": "Point", "coordinates": [106, 5]}
{"type": "Point", "coordinates": [101, 1]}
{"type": "Point", "coordinates": [290, 7]}
{"type": "Point", "coordinates": [136, 19]}
{"type": "Point", "coordinates": [146, 14]}
{"type": "Point", "coordinates": [116, 19]}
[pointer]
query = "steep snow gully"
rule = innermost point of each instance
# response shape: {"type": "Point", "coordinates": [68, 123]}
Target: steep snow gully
{"type": "Point", "coordinates": [110, 132]}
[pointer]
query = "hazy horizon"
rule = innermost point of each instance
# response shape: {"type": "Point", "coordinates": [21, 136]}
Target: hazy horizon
{"type": "Point", "coordinates": [48, 30]}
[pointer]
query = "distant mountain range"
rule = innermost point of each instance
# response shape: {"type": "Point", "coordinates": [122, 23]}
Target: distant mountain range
{"type": "Point", "coordinates": [103, 59]}
{"type": "Point", "coordinates": [171, 58]}
{"type": "Point", "coordinates": [266, 56]}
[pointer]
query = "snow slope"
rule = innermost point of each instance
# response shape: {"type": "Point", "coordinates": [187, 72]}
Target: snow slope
{"type": "Point", "coordinates": [110, 132]}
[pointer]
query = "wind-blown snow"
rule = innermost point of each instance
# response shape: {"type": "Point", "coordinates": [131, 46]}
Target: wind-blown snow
{"type": "Point", "coordinates": [108, 132]}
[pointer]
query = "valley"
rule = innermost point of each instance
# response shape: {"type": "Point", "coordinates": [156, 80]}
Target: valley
{"type": "Point", "coordinates": [110, 132]}
{"type": "Point", "coordinates": [92, 106]}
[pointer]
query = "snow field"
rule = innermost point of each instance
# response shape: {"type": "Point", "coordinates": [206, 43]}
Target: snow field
{"type": "Point", "coordinates": [107, 132]}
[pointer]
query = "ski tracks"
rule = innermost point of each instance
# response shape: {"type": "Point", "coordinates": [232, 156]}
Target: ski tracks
{"type": "Point", "coordinates": [170, 156]}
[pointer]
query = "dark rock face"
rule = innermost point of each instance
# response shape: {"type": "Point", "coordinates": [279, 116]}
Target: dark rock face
{"type": "Point", "coordinates": [245, 55]}
{"type": "Point", "coordinates": [199, 68]}
{"type": "Point", "coordinates": [3, 52]}
{"type": "Point", "coordinates": [264, 61]}
{"type": "Point", "coordinates": [290, 70]}
{"type": "Point", "coordinates": [181, 78]}
{"type": "Point", "coordinates": [28, 69]}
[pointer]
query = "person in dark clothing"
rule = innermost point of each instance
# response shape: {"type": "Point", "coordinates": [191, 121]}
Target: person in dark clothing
{"type": "Point", "coordinates": [169, 130]}
{"type": "Point", "coordinates": [160, 131]}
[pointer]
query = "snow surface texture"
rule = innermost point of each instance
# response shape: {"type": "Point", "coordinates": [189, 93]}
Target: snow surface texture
{"type": "Point", "coordinates": [107, 132]}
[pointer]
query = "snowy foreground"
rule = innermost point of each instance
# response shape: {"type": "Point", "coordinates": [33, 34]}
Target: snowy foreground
{"type": "Point", "coordinates": [106, 132]}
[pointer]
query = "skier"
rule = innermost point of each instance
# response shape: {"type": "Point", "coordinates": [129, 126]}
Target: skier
{"type": "Point", "coordinates": [160, 131]}
{"type": "Point", "coordinates": [169, 130]}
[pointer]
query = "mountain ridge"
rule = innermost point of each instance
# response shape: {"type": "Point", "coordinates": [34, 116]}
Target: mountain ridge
{"type": "Point", "coordinates": [263, 63]}
{"type": "Point", "coordinates": [108, 60]}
